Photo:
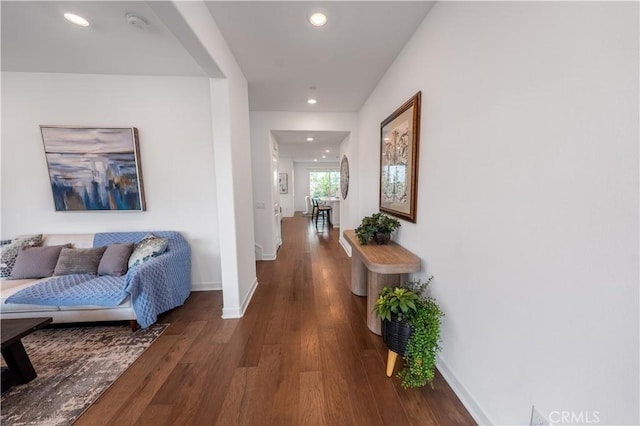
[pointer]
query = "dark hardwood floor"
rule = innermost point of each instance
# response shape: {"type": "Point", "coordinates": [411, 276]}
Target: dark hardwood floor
{"type": "Point", "coordinates": [301, 355]}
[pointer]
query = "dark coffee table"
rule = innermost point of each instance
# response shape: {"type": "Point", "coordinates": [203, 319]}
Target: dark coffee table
{"type": "Point", "coordinates": [19, 369]}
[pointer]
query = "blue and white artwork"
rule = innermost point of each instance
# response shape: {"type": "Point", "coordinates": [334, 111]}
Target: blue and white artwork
{"type": "Point", "coordinates": [94, 168]}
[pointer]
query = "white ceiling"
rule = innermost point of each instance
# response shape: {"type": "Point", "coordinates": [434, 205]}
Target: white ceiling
{"type": "Point", "coordinates": [293, 144]}
{"type": "Point", "coordinates": [280, 53]}
{"type": "Point", "coordinates": [36, 38]}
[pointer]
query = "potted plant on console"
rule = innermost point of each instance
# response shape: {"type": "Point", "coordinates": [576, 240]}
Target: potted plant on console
{"type": "Point", "coordinates": [411, 328]}
{"type": "Point", "coordinates": [377, 227]}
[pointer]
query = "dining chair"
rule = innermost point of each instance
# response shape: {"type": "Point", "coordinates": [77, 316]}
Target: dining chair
{"type": "Point", "coordinates": [321, 209]}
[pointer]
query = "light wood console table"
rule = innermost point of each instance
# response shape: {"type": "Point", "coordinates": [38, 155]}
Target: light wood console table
{"type": "Point", "coordinates": [376, 266]}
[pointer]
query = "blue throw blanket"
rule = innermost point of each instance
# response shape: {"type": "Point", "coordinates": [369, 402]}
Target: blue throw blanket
{"type": "Point", "coordinates": [155, 286]}
{"type": "Point", "coordinates": [73, 290]}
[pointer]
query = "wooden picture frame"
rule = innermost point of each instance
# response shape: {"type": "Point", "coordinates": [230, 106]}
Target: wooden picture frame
{"type": "Point", "coordinates": [399, 148]}
{"type": "Point", "coordinates": [94, 168]}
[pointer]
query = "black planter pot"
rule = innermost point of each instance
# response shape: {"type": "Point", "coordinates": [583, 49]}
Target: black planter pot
{"type": "Point", "coordinates": [395, 334]}
{"type": "Point", "coordinates": [382, 238]}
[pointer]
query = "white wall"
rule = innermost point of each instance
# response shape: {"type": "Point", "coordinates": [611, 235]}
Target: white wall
{"type": "Point", "coordinates": [285, 165]}
{"type": "Point", "coordinates": [300, 169]}
{"type": "Point", "coordinates": [349, 207]}
{"type": "Point", "coordinates": [262, 123]}
{"type": "Point", "coordinates": [230, 121]}
{"type": "Point", "coordinates": [528, 200]}
{"type": "Point", "coordinates": [175, 149]}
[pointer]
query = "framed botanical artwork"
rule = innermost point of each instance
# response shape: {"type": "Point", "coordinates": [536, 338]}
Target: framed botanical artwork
{"type": "Point", "coordinates": [399, 143]}
{"type": "Point", "coordinates": [94, 168]}
{"type": "Point", "coordinates": [283, 183]}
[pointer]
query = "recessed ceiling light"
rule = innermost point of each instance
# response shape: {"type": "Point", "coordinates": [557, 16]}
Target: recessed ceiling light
{"type": "Point", "coordinates": [311, 101]}
{"type": "Point", "coordinates": [318, 19]}
{"type": "Point", "coordinates": [315, 159]}
{"type": "Point", "coordinates": [76, 19]}
{"type": "Point", "coordinates": [309, 139]}
{"type": "Point", "coordinates": [324, 156]}
{"type": "Point", "coordinates": [327, 150]}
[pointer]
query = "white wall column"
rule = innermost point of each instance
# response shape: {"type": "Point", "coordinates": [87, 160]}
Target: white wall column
{"type": "Point", "coordinates": [193, 25]}
{"type": "Point", "coordinates": [226, 202]}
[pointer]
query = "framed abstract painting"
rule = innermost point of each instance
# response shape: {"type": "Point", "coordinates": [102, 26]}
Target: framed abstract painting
{"type": "Point", "coordinates": [94, 168]}
{"type": "Point", "coordinates": [399, 143]}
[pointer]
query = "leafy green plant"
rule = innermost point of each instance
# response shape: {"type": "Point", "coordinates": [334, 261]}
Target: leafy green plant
{"type": "Point", "coordinates": [377, 223]}
{"type": "Point", "coordinates": [424, 316]}
{"type": "Point", "coordinates": [423, 345]}
{"type": "Point", "coordinates": [398, 301]}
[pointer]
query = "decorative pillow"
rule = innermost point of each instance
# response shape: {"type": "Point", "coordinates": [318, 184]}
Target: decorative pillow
{"type": "Point", "coordinates": [79, 261]}
{"type": "Point", "coordinates": [36, 262]}
{"type": "Point", "coordinates": [150, 246]}
{"type": "Point", "coordinates": [115, 260]}
{"type": "Point", "coordinates": [9, 252]}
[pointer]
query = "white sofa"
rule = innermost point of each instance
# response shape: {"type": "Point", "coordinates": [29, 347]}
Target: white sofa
{"type": "Point", "coordinates": [156, 285]}
{"type": "Point", "coordinates": [62, 314]}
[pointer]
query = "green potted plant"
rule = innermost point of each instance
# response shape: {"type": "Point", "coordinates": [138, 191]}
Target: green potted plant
{"type": "Point", "coordinates": [377, 227]}
{"type": "Point", "coordinates": [411, 328]}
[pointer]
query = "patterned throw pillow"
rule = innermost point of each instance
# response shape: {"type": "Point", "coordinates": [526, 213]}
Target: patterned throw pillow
{"type": "Point", "coordinates": [150, 246]}
{"type": "Point", "coordinates": [79, 261]}
{"type": "Point", "coordinates": [9, 252]}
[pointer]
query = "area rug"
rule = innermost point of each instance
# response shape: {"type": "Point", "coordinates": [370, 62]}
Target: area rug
{"type": "Point", "coordinates": [75, 366]}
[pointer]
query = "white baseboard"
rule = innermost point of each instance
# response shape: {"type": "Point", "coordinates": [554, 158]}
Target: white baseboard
{"type": "Point", "coordinates": [345, 245]}
{"type": "Point", "coordinates": [247, 299]}
{"type": "Point", "coordinates": [261, 255]}
{"type": "Point", "coordinates": [206, 286]}
{"type": "Point", "coordinates": [463, 394]}
{"type": "Point", "coordinates": [230, 313]}
{"type": "Point", "coordinates": [273, 256]}
{"type": "Point", "coordinates": [238, 312]}
{"type": "Point", "coordinates": [258, 251]}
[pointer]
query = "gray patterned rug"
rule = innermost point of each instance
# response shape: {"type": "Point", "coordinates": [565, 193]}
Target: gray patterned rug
{"type": "Point", "coordinates": [74, 365]}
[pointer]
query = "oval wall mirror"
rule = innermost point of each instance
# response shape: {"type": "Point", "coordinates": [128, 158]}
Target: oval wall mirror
{"type": "Point", "coordinates": [344, 177]}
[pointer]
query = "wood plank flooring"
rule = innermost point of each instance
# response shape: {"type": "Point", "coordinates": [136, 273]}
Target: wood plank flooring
{"type": "Point", "coordinates": [301, 355]}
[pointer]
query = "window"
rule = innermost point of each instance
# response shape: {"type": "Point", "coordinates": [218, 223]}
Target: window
{"type": "Point", "coordinates": [324, 183]}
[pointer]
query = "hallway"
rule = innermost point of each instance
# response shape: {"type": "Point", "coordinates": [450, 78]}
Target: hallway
{"type": "Point", "coordinates": [301, 355]}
